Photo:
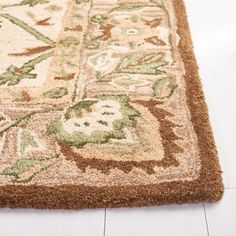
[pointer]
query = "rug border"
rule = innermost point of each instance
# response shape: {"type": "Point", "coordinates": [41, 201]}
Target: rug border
{"type": "Point", "coordinates": [207, 188]}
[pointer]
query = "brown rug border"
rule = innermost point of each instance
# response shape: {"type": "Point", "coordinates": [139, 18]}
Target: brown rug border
{"type": "Point", "coordinates": [207, 188]}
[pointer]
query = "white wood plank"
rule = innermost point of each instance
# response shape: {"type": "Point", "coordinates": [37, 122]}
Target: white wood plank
{"type": "Point", "coordinates": [157, 221]}
{"type": "Point", "coordinates": [221, 217]}
{"type": "Point", "coordinates": [51, 223]}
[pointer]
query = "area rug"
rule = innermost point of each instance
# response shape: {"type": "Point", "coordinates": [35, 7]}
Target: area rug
{"type": "Point", "coordinates": [101, 106]}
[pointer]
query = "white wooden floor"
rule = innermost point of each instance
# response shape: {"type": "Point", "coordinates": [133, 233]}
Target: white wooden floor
{"type": "Point", "coordinates": [213, 24]}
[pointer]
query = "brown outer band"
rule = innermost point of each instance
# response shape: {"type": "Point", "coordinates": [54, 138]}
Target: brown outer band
{"type": "Point", "coordinates": [208, 187]}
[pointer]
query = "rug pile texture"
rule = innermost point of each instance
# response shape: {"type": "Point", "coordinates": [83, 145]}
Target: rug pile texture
{"type": "Point", "coordinates": [101, 106]}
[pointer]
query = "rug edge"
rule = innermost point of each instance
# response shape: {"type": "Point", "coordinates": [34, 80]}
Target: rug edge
{"type": "Point", "coordinates": [209, 187]}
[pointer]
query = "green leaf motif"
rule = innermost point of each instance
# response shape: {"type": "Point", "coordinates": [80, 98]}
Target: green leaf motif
{"type": "Point", "coordinates": [67, 42]}
{"type": "Point", "coordinates": [20, 166]}
{"type": "Point", "coordinates": [77, 109]}
{"type": "Point", "coordinates": [27, 140]}
{"type": "Point", "coordinates": [129, 7]}
{"type": "Point", "coordinates": [14, 75]}
{"type": "Point", "coordinates": [31, 3]}
{"type": "Point", "coordinates": [81, 1]}
{"type": "Point", "coordinates": [23, 170]}
{"type": "Point", "coordinates": [27, 28]}
{"type": "Point", "coordinates": [164, 88]}
{"type": "Point", "coordinates": [142, 63]}
{"type": "Point", "coordinates": [57, 92]}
